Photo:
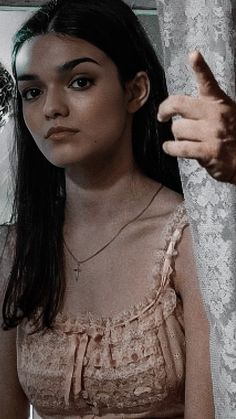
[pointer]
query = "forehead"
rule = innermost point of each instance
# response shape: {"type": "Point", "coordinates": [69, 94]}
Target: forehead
{"type": "Point", "coordinates": [51, 50]}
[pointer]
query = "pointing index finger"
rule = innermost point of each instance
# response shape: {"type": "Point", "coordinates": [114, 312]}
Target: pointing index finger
{"type": "Point", "coordinates": [207, 84]}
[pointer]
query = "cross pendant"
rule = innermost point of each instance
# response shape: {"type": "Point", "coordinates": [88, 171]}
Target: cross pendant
{"type": "Point", "coordinates": [77, 272]}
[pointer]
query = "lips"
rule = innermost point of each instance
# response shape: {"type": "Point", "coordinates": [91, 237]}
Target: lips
{"type": "Point", "coordinates": [58, 132]}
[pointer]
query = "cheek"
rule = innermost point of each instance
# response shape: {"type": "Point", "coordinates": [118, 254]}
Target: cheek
{"type": "Point", "coordinates": [107, 113]}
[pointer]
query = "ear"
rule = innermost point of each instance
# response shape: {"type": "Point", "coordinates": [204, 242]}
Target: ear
{"type": "Point", "coordinates": [138, 90]}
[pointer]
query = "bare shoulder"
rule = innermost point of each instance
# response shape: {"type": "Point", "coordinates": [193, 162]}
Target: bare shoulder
{"type": "Point", "coordinates": [165, 203]}
{"type": "Point", "coordinates": [164, 213]}
{"type": "Point", "coordinates": [171, 196]}
{"type": "Point", "coordinates": [169, 200]}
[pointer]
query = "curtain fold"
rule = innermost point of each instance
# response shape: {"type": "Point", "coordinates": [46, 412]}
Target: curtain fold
{"type": "Point", "coordinates": [209, 26]}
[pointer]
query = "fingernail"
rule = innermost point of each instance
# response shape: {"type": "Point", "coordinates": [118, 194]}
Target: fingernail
{"type": "Point", "coordinates": [195, 58]}
{"type": "Point", "coordinates": [159, 118]}
{"type": "Point", "coordinates": [193, 53]}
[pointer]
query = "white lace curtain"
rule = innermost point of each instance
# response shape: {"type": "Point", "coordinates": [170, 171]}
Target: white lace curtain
{"type": "Point", "coordinates": [209, 26]}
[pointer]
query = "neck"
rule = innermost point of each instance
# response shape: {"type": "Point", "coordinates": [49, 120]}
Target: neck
{"type": "Point", "coordinates": [101, 193]}
{"type": "Point", "coordinates": [97, 192]}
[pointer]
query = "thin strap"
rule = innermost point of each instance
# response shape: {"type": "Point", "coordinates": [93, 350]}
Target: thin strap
{"type": "Point", "coordinates": [175, 228]}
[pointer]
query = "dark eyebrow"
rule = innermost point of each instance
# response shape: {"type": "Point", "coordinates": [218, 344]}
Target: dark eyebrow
{"type": "Point", "coordinates": [69, 65]}
{"type": "Point", "coordinates": [25, 77]}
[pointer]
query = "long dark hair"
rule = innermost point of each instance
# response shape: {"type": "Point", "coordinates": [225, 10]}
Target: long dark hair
{"type": "Point", "coordinates": [36, 284]}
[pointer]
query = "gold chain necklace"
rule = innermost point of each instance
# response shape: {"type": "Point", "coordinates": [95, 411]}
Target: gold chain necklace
{"type": "Point", "coordinates": [77, 270]}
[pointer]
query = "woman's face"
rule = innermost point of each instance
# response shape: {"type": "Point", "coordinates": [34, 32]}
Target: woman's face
{"type": "Point", "coordinates": [73, 103]}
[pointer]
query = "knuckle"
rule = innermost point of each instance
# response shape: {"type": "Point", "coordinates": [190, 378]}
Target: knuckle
{"type": "Point", "coordinates": [220, 131]}
{"type": "Point", "coordinates": [223, 116]}
{"type": "Point", "coordinates": [201, 154]}
{"type": "Point", "coordinates": [184, 152]}
{"type": "Point", "coordinates": [200, 150]}
{"type": "Point", "coordinates": [177, 102]}
{"type": "Point", "coordinates": [224, 113]}
{"type": "Point", "coordinates": [215, 150]}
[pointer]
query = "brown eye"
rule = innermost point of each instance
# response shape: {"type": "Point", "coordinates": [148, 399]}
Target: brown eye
{"type": "Point", "coordinates": [31, 94]}
{"type": "Point", "coordinates": [81, 83]}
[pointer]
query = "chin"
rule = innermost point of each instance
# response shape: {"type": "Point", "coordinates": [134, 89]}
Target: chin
{"type": "Point", "coordinates": [63, 155]}
{"type": "Point", "coordinates": [62, 160]}
{"type": "Point", "coordinates": [62, 163]}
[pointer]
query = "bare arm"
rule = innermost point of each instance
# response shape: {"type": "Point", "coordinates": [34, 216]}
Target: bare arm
{"type": "Point", "coordinates": [13, 402]}
{"type": "Point", "coordinates": [198, 387]}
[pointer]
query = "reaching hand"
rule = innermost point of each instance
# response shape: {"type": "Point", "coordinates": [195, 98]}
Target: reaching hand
{"type": "Point", "coordinates": [207, 129]}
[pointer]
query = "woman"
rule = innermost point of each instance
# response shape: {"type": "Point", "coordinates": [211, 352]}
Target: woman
{"type": "Point", "coordinates": [102, 263]}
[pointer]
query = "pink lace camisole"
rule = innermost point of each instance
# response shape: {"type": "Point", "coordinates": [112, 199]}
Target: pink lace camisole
{"type": "Point", "coordinates": [128, 366]}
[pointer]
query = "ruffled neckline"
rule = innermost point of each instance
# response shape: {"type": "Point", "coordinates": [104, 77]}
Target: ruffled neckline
{"type": "Point", "coordinates": [87, 319]}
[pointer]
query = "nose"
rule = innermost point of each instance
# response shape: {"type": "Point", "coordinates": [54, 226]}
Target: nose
{"type": "Point", "coordinates": [55, 105]}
